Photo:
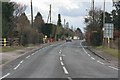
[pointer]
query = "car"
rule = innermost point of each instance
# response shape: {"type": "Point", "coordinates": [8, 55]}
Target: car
{"type": "Point", "coordinates": [68, 40]}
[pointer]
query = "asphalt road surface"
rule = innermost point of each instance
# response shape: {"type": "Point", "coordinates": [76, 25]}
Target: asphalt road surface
{"type": "Point", "coordinates": [66, 60]}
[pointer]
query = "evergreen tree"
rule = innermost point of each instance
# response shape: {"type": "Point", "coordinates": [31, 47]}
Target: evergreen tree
{"type": "Point", "coordinates": [38, 22]}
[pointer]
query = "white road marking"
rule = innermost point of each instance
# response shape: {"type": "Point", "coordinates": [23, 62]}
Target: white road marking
{"type": "Point", "coordinates": [88, 54]}
{"type": "Point", "coordinates": [113, 67]}
{"type": "Point", "coordinates": [60, 52]}
{"type": "Point", "coordinates": [92, 58]}
{"type": "Point", "coordinates": [60, 58]}
{"type": "Point", "coordinates": [69, 78]}
{"type": "Point", "coordinates": [28, 56]}
{"type": "Point", "coordinates": [62, 63]}
{"type": "Point", "coordinates": [84, 50]}
{"type": "Point", "coordinates": [21, 62]}
{"type": "Point", "coordinates": [16, 66]}
{"type": "Point", "coordinates": [65, 70]}
{"type": "Point", "coordinates": [100, 62]}
{"type": "Point", "coordinates": [33, 54]}
{"type": "Point", "coordinates": [5, 76]}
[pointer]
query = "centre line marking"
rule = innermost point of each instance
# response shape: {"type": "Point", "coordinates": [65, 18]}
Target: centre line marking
{"type": "Point", "coordinates": [100, 62]}
{"type": "Point", "coordinates": [16, 66]}
{"type": "Point", "coordinates": [93, 58]}
{"type": "Point", "coordinates": [60, 58]}
{"type": "Point", "coordinates": [28, 56]}
{"type": "Point", "coordinates": [60, 52]}
{"type": "Point", "coordinates": [62, 63]}
{"type": "Point", "coordinates": [5, 76]}
{"type": "Point", "coordinates": [65, 70]}
{"type": "Point", "coordinates": [113, 67]}
{"type": "Point", "coordinates": [69, 78]}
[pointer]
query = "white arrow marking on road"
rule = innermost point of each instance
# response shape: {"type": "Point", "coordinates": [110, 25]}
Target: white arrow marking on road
{"type": "Point", "coordinates": [5, 76]}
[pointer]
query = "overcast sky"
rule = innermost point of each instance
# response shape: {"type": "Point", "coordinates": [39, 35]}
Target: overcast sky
{"type": "Point", "coordinates": [73, 11]}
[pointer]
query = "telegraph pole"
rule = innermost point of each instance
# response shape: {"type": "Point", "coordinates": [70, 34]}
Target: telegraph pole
{"type": "Point", "coordinates": [49, 15]}
{"type": "Point", "coordinates": [103, 20]}
{"type": "Point", "coordinates": [93, 10]}
{"type": "Point", "coordinates": [64, 22]}
{"type": "Point", "coordinates": [31, 14]}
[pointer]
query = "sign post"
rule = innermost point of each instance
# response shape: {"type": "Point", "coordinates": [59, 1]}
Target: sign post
{"type": "Point", "coordinates": [108, 32]}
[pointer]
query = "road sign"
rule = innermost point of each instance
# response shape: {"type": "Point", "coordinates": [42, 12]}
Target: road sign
{"type": "Point", "coordinates": [108, 30]}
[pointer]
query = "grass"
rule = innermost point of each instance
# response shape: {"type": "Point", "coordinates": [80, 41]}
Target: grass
{"type": "Point", "coordinates": [113, 52]}
{"type": "Point", "coordinates": [11, 48]}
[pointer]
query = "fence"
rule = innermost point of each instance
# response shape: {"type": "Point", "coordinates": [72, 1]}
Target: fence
{"type": "Point", "coordinates": [9, 41]}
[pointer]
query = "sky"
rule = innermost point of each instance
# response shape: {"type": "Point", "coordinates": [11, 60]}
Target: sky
{"type": "Point", "coordinates": [73, 11]}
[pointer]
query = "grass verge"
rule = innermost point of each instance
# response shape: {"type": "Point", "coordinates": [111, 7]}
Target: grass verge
{"type": "Point", "coordinates": [11, 48]}
{"type": "Point", "coordinates": [113, 52]}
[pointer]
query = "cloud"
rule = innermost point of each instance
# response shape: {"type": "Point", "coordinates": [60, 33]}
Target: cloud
{"type": "Point", "coordinates": [71, 10]}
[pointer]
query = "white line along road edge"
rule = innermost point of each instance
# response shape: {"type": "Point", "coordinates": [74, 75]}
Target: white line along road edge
{"type": "Point", "coordinates": [5, 76]}
{"type": "Point", "coordinates": [113, 67]}
{"type": "Point", "coordinates": [17, 66]}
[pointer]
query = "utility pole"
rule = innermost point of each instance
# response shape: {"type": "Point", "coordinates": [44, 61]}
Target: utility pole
{"type": "Point", "coordinates": [49, 15]}
{"type": "Point", "coordinates": [64, 22]}
{"type": "Point", "coordinates": [103, 20]}
{"type": "Point", "coordinates": [93, 10]}
{"type": "Point", "coordinates": [31, 14]}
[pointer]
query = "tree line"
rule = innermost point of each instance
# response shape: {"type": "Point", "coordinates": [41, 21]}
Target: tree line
{"type": "Point", "coordinates": [94, 27]}
{"type": "Point", "coordinates": [15, 24]}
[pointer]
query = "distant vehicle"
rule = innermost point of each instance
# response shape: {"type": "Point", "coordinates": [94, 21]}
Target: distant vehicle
{"type": "Point", "coordinates": [68, 40]}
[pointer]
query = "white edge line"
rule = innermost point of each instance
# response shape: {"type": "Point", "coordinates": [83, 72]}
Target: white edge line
{"type": "Point", "coordinates": [28, 56]}
{"type": "Point", "coordinates": [93, 58]}
{"type": "Point", "coordinates": [84, 49]}
{"type": "Point", "coordinates": [100, 62]}
{"type": "Point", "coordinates": [32, 54]}
{"type": "Point", "coordinates": [65, 70]}
{"type": "Point", "coordinates": [60, 58]}
{"type": "Point", "coordinates": [62, 63]}
{"type": "Point", "coordinates": [88, 54]}
{"type": "Point", "coordinates": [21, 62]}
{"type": "Point", "coordinates": [5, 76]}
{"type": "Point", "coordinates": [17, 66]}
{"type": "Point", "coordinates": [113, 67]}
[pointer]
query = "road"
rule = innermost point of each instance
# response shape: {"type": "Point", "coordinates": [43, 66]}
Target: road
{"type": "Point", "coordinates": [66, 60]}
